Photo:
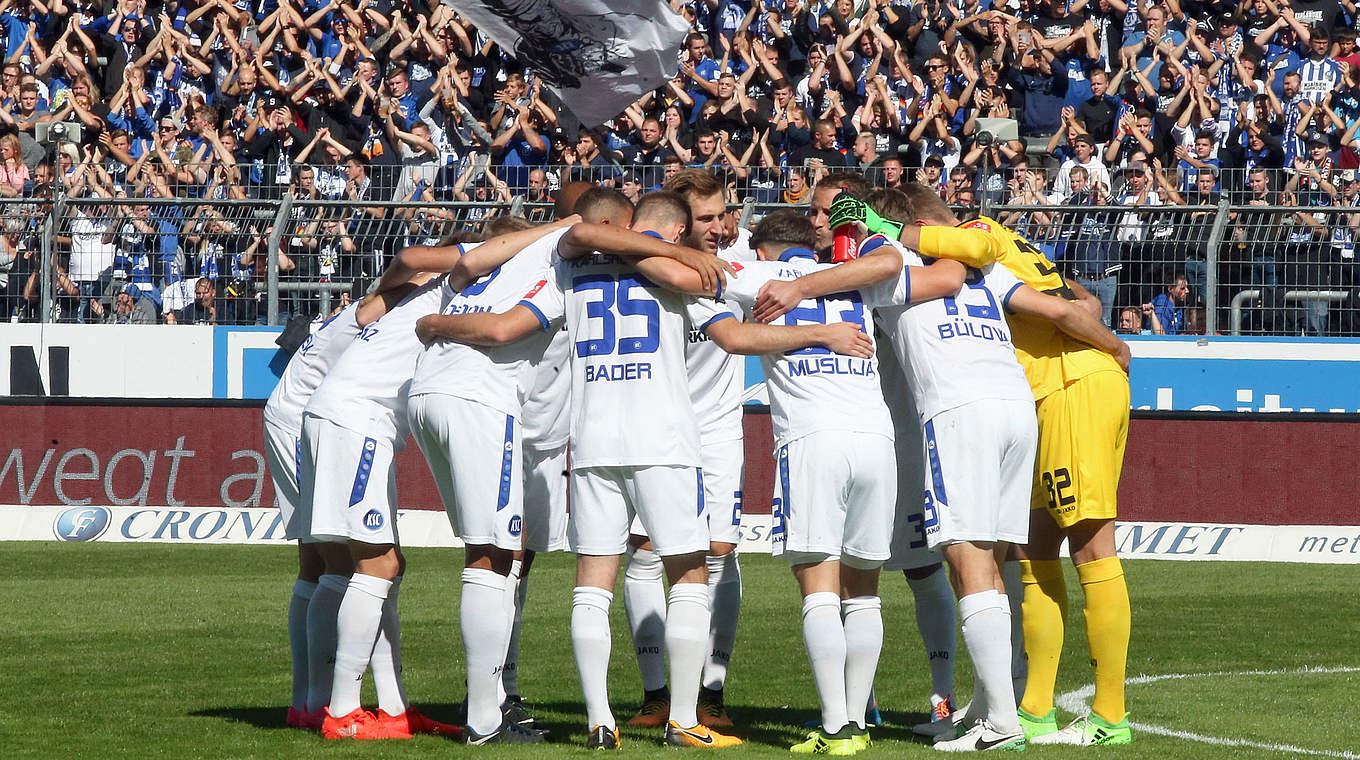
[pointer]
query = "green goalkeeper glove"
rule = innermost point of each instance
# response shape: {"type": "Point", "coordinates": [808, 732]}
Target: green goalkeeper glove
{"type": "Point", "coordinates": [847, 209]}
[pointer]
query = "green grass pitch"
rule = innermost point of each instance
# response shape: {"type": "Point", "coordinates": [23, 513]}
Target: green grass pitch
{"type": "Point", "coordinates": [160, 651]}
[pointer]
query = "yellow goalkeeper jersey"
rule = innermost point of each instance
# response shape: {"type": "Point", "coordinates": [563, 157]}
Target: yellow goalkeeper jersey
{"type": "Point", "coordinates": [1051, 358]}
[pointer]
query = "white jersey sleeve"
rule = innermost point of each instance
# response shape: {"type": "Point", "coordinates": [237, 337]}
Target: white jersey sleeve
{"type": "Point", "coordinates": [498, 376]}
{"type": "Point", "coordinates": [366, 390]}
{"type": "Point", "coordinates": [716, 378]}
{"type": "Point", "coordinates": [309, 366]}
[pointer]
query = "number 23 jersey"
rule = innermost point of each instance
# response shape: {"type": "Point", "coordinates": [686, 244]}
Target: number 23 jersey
{"type": "Point", "coordinates": [629, 385]}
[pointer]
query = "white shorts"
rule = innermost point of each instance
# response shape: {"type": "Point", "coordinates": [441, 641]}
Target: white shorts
{"type": "Point", "coordinates": [724, 466]}
{"type": "Point", "coordinates": [979, 469]}
{"type": "Point", "coordinates": [283, 451]}
{"type": "Point", "coordinates": [834, 496]}
{"type": "Point", "coordinates": [545, 499]}
{"type": "Point", "coordinates": [910, 549]}
{"type": "Point", "coordinates": [349, 482]}
{"type": "Point", "coordinates": [669, 500]}
{"type": "Point", "coordinates": [474, 455]}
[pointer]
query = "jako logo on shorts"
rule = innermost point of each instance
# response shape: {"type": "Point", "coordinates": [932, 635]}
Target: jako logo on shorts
{"type": "Point", "coordinates": [373, 519]}
{"type": "Point", "coordinates": [82, 523]}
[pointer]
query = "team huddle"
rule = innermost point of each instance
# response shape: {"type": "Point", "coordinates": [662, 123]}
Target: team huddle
{"type": "Point", "coordinates": [943, 398]}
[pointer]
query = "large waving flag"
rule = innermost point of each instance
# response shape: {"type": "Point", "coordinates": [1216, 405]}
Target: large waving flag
{"type": "Point", "coordinates": [601, 55]}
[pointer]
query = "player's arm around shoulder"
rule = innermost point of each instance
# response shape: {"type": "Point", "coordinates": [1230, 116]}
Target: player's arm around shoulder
{"type": "Point", "coordinates": [688, 271]}
{"type": "Point", "coordinates": [485, 258]}
{"type": "Point", "coordinates": [1072, 318]}
{"type": "Point", "coordinates": [943, 277]}
{"type": "Point", "coordinates": [1085, 298]}
{"type": "Point", "coordinates": [974, 243]}
{"type": "Point", "coordinates": [755, 339]}
{"type": "Point", "coordinates": [482, 328]}
{"type": "Point", "coordinates": [878, 264]}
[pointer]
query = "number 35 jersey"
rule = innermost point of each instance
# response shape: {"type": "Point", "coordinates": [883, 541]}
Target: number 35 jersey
{"type": "Point", "coordinates": [954, 350]}
{"type": "Point", "coordinates": [629, 385]}
{"type": "Point", "coordinates": [812, 389]}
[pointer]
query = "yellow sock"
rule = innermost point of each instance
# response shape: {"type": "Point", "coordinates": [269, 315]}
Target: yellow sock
{"type": "Point", "coordinates": [1107, 633]}
{"type": "Point", "coordinates": [1044, 618]}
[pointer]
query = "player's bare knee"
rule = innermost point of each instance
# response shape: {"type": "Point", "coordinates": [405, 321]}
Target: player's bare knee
{"type": "Point", "coordinates": [377, 560]}
{"type": "Point", "coordinates": [488, 557]}
{"type": "Point", "coordinates": [720, 548]}
{"type": "Point", "coordinates": [686, 568]}
{"type": "Point", "coordinates": [859, 579]}
{"type": "Point", "coordinates": [1090, 540]}
{"type": "Point", "coordinates": [599, 571]}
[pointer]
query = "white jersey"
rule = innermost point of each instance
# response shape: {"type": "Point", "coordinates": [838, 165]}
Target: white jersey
{"type": "Point", "coordinates": [309, 366]}
{"type": "Point", "coordinates": [955, 350]}
{"type": "Point", "coordinates": [366, 390]}
{"type": "Point", "coordinates": [629, 389]}
{"type": "Point", "coordinates": [498, 376]}
{"type": "Point", "coordinates": [812, 389]}
{"type": "Point", "coordinates": [547, 411]}
{"type": "Point", "coordinates": [717, 378]}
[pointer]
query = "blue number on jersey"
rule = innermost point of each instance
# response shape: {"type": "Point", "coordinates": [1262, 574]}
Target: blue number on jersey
{"type": "Point", "coordinates": [645, 306]}
{"type": "Point", "coordinates": [817, 316]}
{"type": "Point", "coordinates": [619, 292]}
{"type": "Point", "coordinates": [981, 311]}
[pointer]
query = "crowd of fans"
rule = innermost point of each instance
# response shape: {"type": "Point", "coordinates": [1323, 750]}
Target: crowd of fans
{"type": "Point", "coordinates": [375, 101]}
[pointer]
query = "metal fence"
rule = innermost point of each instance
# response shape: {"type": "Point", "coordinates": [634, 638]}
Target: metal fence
{"type": "Point", "coordinates": [1246, 269]}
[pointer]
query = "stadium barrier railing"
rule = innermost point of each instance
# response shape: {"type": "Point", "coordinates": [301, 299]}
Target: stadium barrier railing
{"type": "Point", "coordinates": [1251, 269]}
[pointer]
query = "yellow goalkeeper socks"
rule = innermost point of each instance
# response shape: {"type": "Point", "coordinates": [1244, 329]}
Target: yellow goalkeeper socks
{"type": "Point", "coordinates": [1044, 618]}
{"type": "Point", "coordinates": [1107, 633]}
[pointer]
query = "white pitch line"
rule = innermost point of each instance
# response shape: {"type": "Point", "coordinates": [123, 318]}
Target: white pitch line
{"type": "Point", "coordinates": [1075, 702]}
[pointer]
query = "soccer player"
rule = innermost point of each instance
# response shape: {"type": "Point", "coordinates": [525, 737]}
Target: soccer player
{"type": "Point", "coordinates": [715, 382]}
{"type": "Point", "coordinates": [311, 637]}
{"type": "Point", "coordinates": [543, 419]}
{"type": "Point", "coordinates": [1082, 396]}
{"type": "Point", "coordinates": [934, 600]}
{"type": "Point", "coordinates": [351, 428]}
{"type": "Point", "coordinates": [466, 413]}
{"type": "Point", "coordinates": [837, 488]}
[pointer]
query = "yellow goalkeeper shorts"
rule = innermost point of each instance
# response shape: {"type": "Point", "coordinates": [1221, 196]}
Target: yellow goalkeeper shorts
{"type": "Point", "coordinates": [1082, 431]}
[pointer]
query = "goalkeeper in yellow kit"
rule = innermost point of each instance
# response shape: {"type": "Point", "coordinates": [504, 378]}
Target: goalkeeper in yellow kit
{"type": "Point", "coordinates": [1082, 404]}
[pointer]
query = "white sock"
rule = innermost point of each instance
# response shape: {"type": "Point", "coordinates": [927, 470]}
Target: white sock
{"type": "Point", "coordinates": [482, 618]}
{"type": "Point", "coordinates": [590, 646]}
{"type": "Point", "coordinates": [862, 617]}
{"type": "Point", "coordinates": [687, 625]}
{"type": "Point", "coordinates": [1014, 598]}
{"type": "Point", "coordinates": [517, 588]}
{"type": "Point", "coordinates": [321, 618]}
{"type": "Point", "coordinates": [986, 631]}
{"type": "Point", "coordinates": [644, 600]}
{"type": "Point", "coordinates": [356, 629]}
{"type": "Point", "coordinates": [297, 639]}
{"type": "Point", "coordinates": [386, 659]}
{"type": "Point", "coordinates": [824, 638]}
{"type": "Point", "coordinates": [936, 622]}
{"type": "Point", "coordinates": [724, 592]}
